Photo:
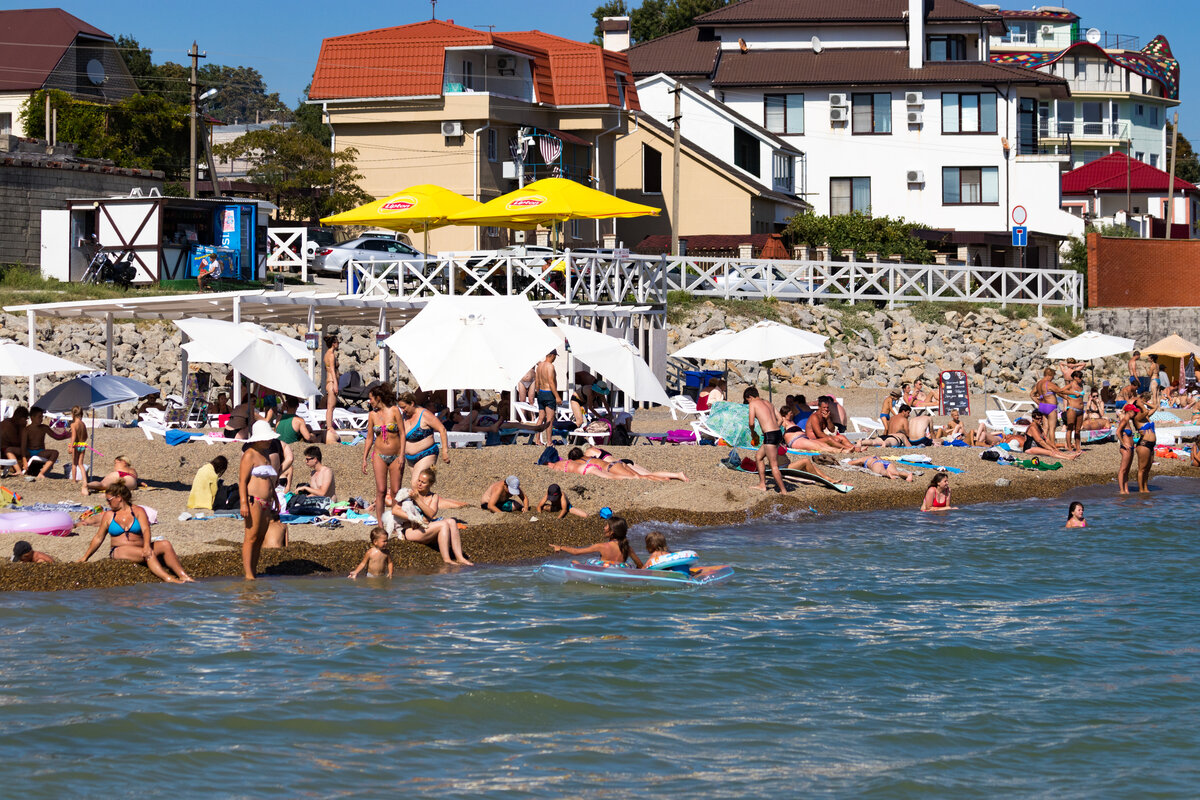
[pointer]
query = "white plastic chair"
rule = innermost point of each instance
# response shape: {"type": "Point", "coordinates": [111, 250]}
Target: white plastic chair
{"type": "Point", "coordinates": [1012, 406]}
{"type": "Point", "coordinates": [866, 425]}
{"type": "Point", "coordinates": [682, 404]}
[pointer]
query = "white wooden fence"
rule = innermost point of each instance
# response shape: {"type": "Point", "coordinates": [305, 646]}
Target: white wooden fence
{"type": "Point", "coordinates": [288, 248]}
{"type": "Point", "coordinates": [607, 280]}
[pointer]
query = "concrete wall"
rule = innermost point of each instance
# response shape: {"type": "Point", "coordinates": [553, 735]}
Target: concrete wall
{"type": "Point", "coordinates": [1145, 325]}
{"type": "Point", "coordinates": [1143, 273]}
{"type": "Point", "coordinates": [28, 187]}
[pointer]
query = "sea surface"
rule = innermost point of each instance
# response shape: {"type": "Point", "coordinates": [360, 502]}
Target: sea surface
{"type": "Point", "coordinates": [985, 653]}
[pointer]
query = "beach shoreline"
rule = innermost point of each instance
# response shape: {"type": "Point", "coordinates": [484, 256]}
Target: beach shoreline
{"type": "Point", "coordinates": [714, 496]}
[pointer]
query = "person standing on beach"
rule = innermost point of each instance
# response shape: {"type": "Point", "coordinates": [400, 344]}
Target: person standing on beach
{"type": "Point", "coordinates": [384, 449]}
{"type": "Point", "coordinates": [763, 413]}
{"type": "Point", "coordinates": [331, 385]}
{"type": "Point", "coordinates": [79, 435]}
{"type": "Point", "coordinates": [1045, 394]}
{"type": "Point", "coordinates": [1133, 365]}
{"type": "Point", "coordinates": [546, 381]}
{"type": "Point", "coordinates": [257, 480]}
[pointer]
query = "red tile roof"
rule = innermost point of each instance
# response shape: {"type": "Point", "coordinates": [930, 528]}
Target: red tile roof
{"type": "Point", "coordinates": [408, 61]}
{"type": "Point", "coordinates": [34, 41]}
{"type": "Point", "coordinates": [1110, 173]}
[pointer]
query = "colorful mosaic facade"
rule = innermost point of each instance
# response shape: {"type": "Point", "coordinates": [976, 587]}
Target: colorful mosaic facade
{"type": "Point", "coordinates": [1154, 61]}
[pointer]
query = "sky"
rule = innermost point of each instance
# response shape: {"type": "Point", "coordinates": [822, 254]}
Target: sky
{"type": "Point", "coordinates": [281, 40]}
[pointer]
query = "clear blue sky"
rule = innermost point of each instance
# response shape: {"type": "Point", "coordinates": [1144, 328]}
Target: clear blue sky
{"type": "Point", "coordinates": [281, 40]}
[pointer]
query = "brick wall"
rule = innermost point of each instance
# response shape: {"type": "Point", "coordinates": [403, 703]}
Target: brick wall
{"type": "Point", "coordinates": [27, 187]}
{"type": "Point", "coordinates": [1143, 273]}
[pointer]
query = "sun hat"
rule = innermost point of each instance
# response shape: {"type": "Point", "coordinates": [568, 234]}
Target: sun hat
{"type": "Point", "coordinates": [513, 484]}
{"type": "Point", "coordinates": [262, 432]}
{"type": "Point", "coordinates": [21, 548]}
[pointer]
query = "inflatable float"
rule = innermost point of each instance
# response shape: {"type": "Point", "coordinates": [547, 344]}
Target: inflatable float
{"type": "Point", "coordinates": [43, 523]}
{"type": "Point", "coordinates": [596, 571]}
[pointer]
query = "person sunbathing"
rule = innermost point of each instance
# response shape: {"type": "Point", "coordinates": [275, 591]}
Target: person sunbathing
{"type": "Point", "coordinates": [806, 464]}
{"type": "Point", "coordinates": [578, 465]}
{"type": "Point", "coordinates": [881, 466]}
{"type": "Point", "coordinates": [793, 434]}
{"type": "Point", "coordinates": [952, 430]}
{"type": "Point", "coordinates": [122, 472]}
{"type": "Point", "coordinates": [604, 455]}
{"type": "Point", "coordinates": [821, 435]}
{"type": "Point", "coordinates": [895, 433]}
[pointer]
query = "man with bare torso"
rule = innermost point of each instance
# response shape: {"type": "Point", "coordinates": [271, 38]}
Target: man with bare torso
{"type": "Point", "coordinates": [768, 452]}
{"type": "Point", "coordinates": [331, 384]}
{"type": "Point", "coordinates": [820, 430]}
{"type": "Point", "coordinates": [546, 382]}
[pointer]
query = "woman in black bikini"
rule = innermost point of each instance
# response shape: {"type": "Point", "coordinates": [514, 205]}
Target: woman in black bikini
{"type": "Point", "coordinates": [129, 528]}
{"type": "Point", "coordinates": [1035, 442]}
{"type": "Point", "coordinates": [384, 445]}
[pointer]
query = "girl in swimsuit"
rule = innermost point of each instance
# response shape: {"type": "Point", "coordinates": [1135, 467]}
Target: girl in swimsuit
{"type": "Point", "coordinates": [604, 455]}
{"type": "Point", "coordinates": [385, 438]}
{"type": "Point", "coordinates": [883, 467]}
{"type": "Point", "coordinates": [1125, 437]}
{"type": "Point", "coordinates": [420, 428]}
{"type": "Point", "coordinates": [444, 529]}
{"type": "Point", "coordinates": [1037, 444]}
{"type": "Point", "coordinates": [937, 496]}
{"type": "Point", "coordinates": [129, 530]}
{"type": "Point", "coordinates": [793, 434]}
{"type": "Point", "coordinates": [615, 550]}
{"type": "Point", "coordinates": [1045, 394]}
{"type": "Point", "coordinates": [1073, 413]}
{"type": "Point", "coordinates": [1075, 516]}
{"type": "Point", "coordinates": [257, 480]}
{"type": "Point", "coordinates": [1145, 445]}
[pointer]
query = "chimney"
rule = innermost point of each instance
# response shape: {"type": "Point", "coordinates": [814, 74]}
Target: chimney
{"type": "Point", "coordinates": [615, 31]}
{"type": "Point", "coordinates": [916, 34]}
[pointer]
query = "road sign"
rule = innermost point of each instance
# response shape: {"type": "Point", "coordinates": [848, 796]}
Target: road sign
{"type": "Point", "coordinates": [1019, 215]}
{"type": "Point", "coordinates": [1020, 236]}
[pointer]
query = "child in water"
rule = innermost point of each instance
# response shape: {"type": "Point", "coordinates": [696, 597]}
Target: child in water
{"type": "Point", "coordinates": [614, 551]}
{"type": "Point", "coordinates": [1075, 516]}
{"type": "Point", "coordinates": [556, 502]}
{"type": "Point", "coordinates": [377, 560]}
{"type": "Point", "coordinates": [79, 435]}
{"type": "Point", "coordinates": [656, 548]}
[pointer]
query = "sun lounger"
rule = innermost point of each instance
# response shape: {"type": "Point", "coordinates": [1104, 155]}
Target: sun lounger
{"type": "Point", "coordinates": [1011, 406]}
{"type": "Point", "coordinates": [460, 439]}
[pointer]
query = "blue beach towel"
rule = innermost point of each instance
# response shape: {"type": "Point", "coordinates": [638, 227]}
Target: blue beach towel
{"type": "Point", "coordinates": [176, 437]}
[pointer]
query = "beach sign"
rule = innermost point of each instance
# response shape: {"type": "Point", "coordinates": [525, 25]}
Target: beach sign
{"type": "Point", "coordinates": [953, 392]}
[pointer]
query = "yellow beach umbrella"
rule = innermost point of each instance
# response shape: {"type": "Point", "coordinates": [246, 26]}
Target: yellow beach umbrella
{"type": "Point", "coordinates": [549, 201]}
{"type": "Point", "coordinates": [416, 208]}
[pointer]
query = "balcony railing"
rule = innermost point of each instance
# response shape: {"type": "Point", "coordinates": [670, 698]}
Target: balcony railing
{"type": "Point", "coordinates": [1108, 129]}
{"type": "Point", "coordinates": [1038, 147]}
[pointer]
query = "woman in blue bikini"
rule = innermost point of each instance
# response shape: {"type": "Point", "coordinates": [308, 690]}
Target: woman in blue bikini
{"type": "Point", "coordinates": [129, 530]}
{"type": "Point", "coordinates": [385, 445]}
{"type": "Point", "coordinates": [1126, 426]}
{"type": "Point", "coordinates": [1072, 415]}
{"type": "Point", "coordinates": [1146, 443]}
{"type": "Point", "coordinates": [420, 429]}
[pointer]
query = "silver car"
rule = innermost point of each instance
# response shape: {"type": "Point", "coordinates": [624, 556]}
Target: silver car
{"type": "Point", "coordinates": [332, 260]}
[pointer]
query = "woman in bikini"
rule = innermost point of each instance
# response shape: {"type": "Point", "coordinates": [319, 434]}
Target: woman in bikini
{"type": "Point", "coordinates": [444, 529]}
{"type": "Point", "coordinates": [594, 452]}
{"type": "Point", "coordinates": [793, 434]}
{"type": "Point", "coordinates": [1146, 443]}
{"type": "Point", "coordinates": [1125, 436]}
{"type": "Point", "coordinates": [420, 429]}
{"type": "Point", "coordinates": [1072, 415]}
{"type": "Point", "coordinates": [613, 551]}
{"type": "Point", "coordinates": [385, 444]}
{"type": "Point", "coordinates": [881, 466]}
{"type": "Point", "coordinates": [122, 473]}
{"type": "Point", "coordinates": [257, 480]}
{"type": "Point", "coordinates": [1045, 394]}
{"type": "Point", "coordinates": [576, 464]}
{"type": "Point", "coordinates": [1035, 442]}
{"type": "Point", "coordinates": [937, 496]}
{"type": "Point", "coordinates": [128, 529]}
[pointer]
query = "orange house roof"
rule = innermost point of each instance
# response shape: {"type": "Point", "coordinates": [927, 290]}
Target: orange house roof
{"type": "Point", "coordinates": [408, 61]}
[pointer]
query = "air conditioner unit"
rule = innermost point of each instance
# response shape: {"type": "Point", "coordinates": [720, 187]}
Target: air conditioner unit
{"type": "Point", "coordinates": [915, 117]}
{"type": "Point", "coordinates": [504, 63]}
{"type": "Point", "coordinates": [452, 129]}
{"type": "Point", "coordinates": [914, 98]}
{"type": "Point", "coordinates": [838, 100]}
{"type": "Point", "coordinates": [837, 114]}
{"type": "Point", "coordinates": [916, 176]}
{"type": "Point", "coordinates": [1047, 30]}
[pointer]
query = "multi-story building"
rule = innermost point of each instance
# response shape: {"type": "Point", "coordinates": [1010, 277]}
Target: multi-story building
{"type": "Point", "coordinates": [898, 107]}
{"type": "Point", "coordinates": [1120, 93]}
{"type": "Point", "coordinates": [476, 112]}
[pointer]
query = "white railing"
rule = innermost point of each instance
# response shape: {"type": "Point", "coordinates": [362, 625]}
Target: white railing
{"type": "Point", "coordinates": [607, 280]}
{"type": "Point", "coordinates": [287, 248]}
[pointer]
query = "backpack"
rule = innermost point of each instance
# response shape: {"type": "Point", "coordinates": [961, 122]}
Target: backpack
{"type": "Point", "coordinates": [620, 437]}
{"type": "Point", "coordinates": [306, 505]}
{"type": "Point", "coordinates": [548, 456]}
{"type": "Point", "coordinates": [228, 498]}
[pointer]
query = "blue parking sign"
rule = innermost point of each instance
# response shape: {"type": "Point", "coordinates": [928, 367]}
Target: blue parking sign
{"type": "Point", "coordinates": [1020, 236]}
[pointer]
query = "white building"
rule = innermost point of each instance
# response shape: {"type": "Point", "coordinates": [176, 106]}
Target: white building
{"type": "Point", "coordinates": [1120, 94]}
{"type": "Point", "coordinates": [898, 108]}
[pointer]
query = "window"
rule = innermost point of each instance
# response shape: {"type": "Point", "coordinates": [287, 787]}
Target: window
{"type": "Point", "coordinates": [651, 170]}
{"type": "Point", "coordinates": [946, 48]}
{"type": "Point", "coordinates": [783, 178]}
{"type": "Point", "coordinates": [784, 113]}
{"type": "Point", "coordinates": [1139, 156]}
{"type": "Point", "coordinates": [970, 186]}
{"type": "Point", "coordinates": [1108, 68]}
{"type": "Point", "coordinates": [491, 144]}
{"type": "Point", "coordinates": [1093, 119]}
{"type": "Point", "coordinates": [620, 89]}
{"type": "Point", "coordinates": [1154, 115]}
{"type": "Point", "coordinates": [468, 74]}
{"type": "Point", "coordinates": [968, 113]}
{"type": "Point", "coordinates": [847, 195]}
{"type": "Point", "coordinates": [745, 151]}
{"type": "Point", "coordinates": [1066, 117]}
{"type": "Point", "coordinates": [1140, 110]}
{"type": "Point", "coordinates": [872, 113]}
{"type": "Point", "coordinates": [576, 229]}
{"type": "Point", "coordinates": [5, 124]}
{"type": "Point", "coordinates": [1154, 159]}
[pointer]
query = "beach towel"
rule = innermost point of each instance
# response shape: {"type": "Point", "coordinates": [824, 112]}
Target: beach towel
{"type": "Point", "coordinates": [728, 421]}
{"type": "Point", "coordinates": [735, 462]}
{"type": "Point", "coordinates": [174, 436]}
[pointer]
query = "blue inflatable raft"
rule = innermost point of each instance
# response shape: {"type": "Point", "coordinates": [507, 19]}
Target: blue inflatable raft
{"type": "Point", "coordinates": [612, 575]}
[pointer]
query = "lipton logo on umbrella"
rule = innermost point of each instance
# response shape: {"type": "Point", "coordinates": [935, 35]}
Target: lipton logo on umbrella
{"type": "Point", "coordinates": [532, 201]}
{"type": "Point", "coordinates": [398, 204]}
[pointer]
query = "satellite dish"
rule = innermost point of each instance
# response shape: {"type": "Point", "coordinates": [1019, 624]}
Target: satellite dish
{"type": "Point", "coordinates": [95, 72]}
{"type": "Point", "coordinates": [816, 44]}
{"type": "Point", "coordinates": [1093, 35]}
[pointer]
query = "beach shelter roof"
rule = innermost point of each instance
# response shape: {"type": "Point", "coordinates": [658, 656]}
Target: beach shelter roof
{"type": "Point", "coordinates": [418, 207]}
{"type": "Point", "coordinates": [256, 355]}
{"type": "Point", "coordinates": [551, 200]}
{"type": "Point", "coordinates": [1174, 346]}
{"type": "Point", "coordinates": [1089, 345]}
{"type": "Point", "coordinates": [617, 360]}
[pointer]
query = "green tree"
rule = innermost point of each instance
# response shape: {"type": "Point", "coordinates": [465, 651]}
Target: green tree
{"type": "Point", "coordinates": [1187, 166]}
{"type": "Point", "coordinates": [309, 119]}
{"type": "Point", "coordinates": [241, 95]}
{"type": "Point", "coordinates": [612, 8]}
{"type": "Point", "coordinates": [1075, 254]}
{"type": "Point", "coordinates": [139, 62]}
{"type": "Point", "coordinates": [306, 180]}
{"type": "Point", "coordinates": [887, 236]}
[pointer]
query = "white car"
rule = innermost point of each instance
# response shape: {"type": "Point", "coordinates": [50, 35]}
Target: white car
{"type": "Point", "coordinates": [332, 260]}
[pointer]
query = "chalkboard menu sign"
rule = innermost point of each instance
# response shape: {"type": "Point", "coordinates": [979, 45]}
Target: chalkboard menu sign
{"type": "Point", "coordinates": [953, 392]}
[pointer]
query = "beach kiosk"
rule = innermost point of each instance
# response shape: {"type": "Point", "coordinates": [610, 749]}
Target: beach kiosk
{"type": "Point", "coordinates": [168, 237]}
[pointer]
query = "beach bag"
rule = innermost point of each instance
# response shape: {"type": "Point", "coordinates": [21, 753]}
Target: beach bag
{"type": "Point", "coordinates": [681, 437]}
{"type": "Point", "coordinates": [228, 498]}
{"type": "Point", "coordinates": [548, 456]}
{"type": "Point", "coordinates": [620, 437]}
{"type": "Point", "coordinates": [306, 505]}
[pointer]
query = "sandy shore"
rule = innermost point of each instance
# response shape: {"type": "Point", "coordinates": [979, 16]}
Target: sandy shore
{"type": "Point", "coordinates": [714, 495]}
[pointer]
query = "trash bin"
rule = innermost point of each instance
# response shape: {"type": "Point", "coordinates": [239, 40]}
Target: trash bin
{"type": "Point", "coordinates": [352, 281]}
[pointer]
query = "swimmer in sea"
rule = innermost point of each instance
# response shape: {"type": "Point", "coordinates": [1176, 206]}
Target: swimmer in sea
{"type": "Point", "coordinates": [1075, 516]}
{"type": "Point", "coordinates": [937, 496]}
{"type": "Point", "coordinates": [613, 551]}
{"type": "Point", "coordinates": [377, 561]}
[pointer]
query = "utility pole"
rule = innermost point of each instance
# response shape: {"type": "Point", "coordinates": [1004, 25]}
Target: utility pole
{"type": "Point", "coordinates": [678, 92]}
{"type": "Point", "coordinates": [194, 85]}
{"type": "Point", "coordinates": [1171, 183]}
{"type": "Point", "coordinates": [1129, 182]}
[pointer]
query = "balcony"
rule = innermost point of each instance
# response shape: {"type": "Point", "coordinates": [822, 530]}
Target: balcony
{"type": "Point", "coordinates": [1056, 149]}
{"type": "Point", "coordinates": [1106, 130]}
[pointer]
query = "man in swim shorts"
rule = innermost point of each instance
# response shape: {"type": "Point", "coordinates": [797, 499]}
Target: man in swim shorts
{"type": "Point", "coordinates": [546, 381]}
{"type": "Point", "coordinates": [768, 452]}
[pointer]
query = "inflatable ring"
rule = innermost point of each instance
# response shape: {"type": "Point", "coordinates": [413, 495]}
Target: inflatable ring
{"type": "Point", "coordinates": [681, 559]}
{"type": "Point", "coordinates": [43, 523]}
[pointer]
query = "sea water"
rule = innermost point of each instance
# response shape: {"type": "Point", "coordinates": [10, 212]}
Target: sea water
{"type": "Point", "coordinates": [984, 653]}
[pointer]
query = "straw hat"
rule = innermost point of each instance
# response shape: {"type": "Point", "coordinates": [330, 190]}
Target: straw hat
{"type": "Point", "coordinates": [262, 432]}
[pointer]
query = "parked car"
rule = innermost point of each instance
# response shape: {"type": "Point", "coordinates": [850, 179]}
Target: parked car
{"type": "Point", "coordinates": [318, 239]}
{"type": "Point", "coordinates": [332, 260]}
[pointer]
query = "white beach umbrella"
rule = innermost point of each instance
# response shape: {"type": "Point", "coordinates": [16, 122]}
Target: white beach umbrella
{"type": "Point", "coordinates": [17, 360]}
{"type": "Point", "coordinates": [763, 341]}
{"type": "Point", "coordinates": [256, 356]}
{"type": "Point", "coordinates": [472, 342]}
{"type": "Point", "coordinates": [618, 361]}
{"type": "Point", "coordinates": [1089, 345]}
